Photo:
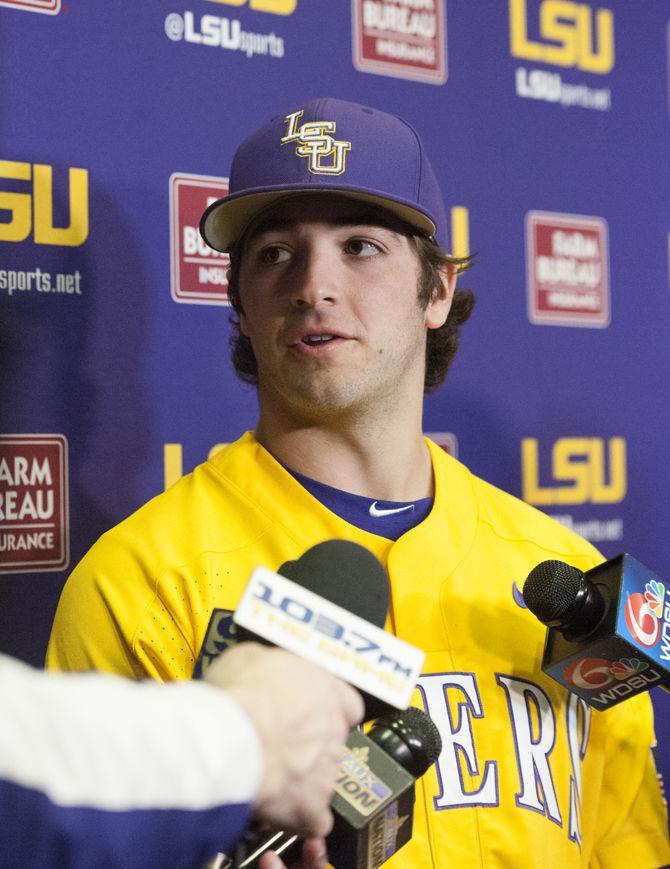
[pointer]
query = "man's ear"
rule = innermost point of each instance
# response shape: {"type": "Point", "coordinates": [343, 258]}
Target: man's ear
{"type": "Point", "coordinates": [439, 306]}
{"type": "Point", "coordinates": [234, 299]}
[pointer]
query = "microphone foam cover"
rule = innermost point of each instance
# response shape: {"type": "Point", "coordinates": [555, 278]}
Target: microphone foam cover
{"type": "Point", "coordinates": [417, 730]}
{"type": "Point", "coordinates": [551, 588]}
{"type": "Point", "coordinates": [345, 573]}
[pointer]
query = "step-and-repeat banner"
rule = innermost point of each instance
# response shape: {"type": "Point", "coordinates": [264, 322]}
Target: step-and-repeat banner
{"type": "Point", "coordinates": [548, 126]}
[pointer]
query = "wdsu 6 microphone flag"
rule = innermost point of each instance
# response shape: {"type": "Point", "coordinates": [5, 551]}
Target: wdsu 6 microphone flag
{"type": "Point", "coordinates": [609, 628]}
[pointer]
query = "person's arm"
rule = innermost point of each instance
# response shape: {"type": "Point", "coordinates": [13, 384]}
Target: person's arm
{"type": "Point", "coordinates": [96, 770]}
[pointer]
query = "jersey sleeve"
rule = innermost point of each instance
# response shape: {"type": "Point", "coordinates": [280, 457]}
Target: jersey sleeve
{"type": "Point", "coordinates": [99, 610]}
{"type": "Point", "coordinates": [99, 771]}
{"type": "Point", "coordinates": [632, 820]}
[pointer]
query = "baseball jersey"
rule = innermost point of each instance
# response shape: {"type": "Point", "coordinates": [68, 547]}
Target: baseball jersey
{"type": "Point", "coordinates": [96, 771]}
{"type": "Point", "coordinates": [528, 776]}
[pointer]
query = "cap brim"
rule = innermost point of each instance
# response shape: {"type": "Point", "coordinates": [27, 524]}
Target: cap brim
{"type": "Point", "coordinates": [225, 221]}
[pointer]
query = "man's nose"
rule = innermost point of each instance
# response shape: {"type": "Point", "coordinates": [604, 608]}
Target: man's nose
{"type": "Point", "coordinates": [315, 282]}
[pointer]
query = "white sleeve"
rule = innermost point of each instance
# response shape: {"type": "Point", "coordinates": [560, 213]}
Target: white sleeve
{"type": "Point", "coordinates": [112, 761]}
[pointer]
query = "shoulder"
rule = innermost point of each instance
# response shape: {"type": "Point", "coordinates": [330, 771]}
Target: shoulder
{"type": "Point", "coordinates": [511, 520]}
{"type": "Point", "coordinates": [209, 507]}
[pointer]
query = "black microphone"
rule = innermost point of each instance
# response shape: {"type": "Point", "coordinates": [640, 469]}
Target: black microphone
{"type": "Point", "coordinates": [609, 628]}
{"type": "Point", "coordinates": [345, 573]}
{"type": "Point", "coordinates": [374, 796]}
{"type": "Point", "coordinates": [329, 607]}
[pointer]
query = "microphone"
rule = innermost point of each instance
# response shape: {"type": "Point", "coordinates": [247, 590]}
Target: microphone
{"type": "Point", "coordinates": [329, 607]}
{"type": "Point", "coordinates": [609, 628]}
{"type": "Point", "coordinates": [374, 795]}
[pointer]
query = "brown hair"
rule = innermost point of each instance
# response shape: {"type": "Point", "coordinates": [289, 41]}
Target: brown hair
{"type": "Point", "coordinates": [441, 344]}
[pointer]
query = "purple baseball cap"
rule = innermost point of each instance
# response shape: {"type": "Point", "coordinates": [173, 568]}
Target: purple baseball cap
{"type": "Point", "coordinates": [330, 146]}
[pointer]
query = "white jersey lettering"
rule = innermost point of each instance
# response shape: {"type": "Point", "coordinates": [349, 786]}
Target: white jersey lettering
{"type": "Point", "coordinates": [534, 729]}
{"type": "Point", "coordinates": [578, 718]}
{"type": "Point", "coordinates": [457, 741]}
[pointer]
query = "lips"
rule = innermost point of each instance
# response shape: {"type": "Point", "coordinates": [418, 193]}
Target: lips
{"type": "Point", "coordinates": [316, 340]}
{"type": "Point", "coordinates": [315, 337]}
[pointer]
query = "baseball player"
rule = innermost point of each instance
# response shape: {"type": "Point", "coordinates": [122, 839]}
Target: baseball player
{"type": "Point", "coordinates": [346, 313]}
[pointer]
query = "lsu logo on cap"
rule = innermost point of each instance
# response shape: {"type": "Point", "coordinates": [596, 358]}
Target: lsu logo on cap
{"type": "Point", "coordinates": [325, 155]}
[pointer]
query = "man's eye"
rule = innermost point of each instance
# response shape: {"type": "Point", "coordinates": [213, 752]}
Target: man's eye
{"type": "Point", "coordinates": [361, 247]}
{"type": "Point", "coordinates": [272, 255]}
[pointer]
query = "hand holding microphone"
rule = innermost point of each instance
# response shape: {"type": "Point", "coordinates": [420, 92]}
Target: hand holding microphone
{"type": "Point", "coordinates": [302, 716]}
{"type": "Point", "coordinates": [329, 607]}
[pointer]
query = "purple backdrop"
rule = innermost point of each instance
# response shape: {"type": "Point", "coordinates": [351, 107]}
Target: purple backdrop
{"type": "Point", "coordinates": [118, 123]}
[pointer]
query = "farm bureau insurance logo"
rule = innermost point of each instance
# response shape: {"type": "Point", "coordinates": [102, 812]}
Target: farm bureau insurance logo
{"type": "Point", "coordinates": [197, 272]}
{"type": "Point", "coordinates": [565, 35]}
{"type": "Point", "coordinates": [400, 38]}
{"type": "Point", "coordinates": [34, 529]}
{"type": "Point", "coordinates": [218, 31]}
{"type": "Point", "coordinates": [567, 268]}
{"type": "Point", "coordinates": [48, 7]}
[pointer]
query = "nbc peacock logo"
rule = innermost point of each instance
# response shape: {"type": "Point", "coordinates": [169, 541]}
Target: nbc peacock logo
{"type": "Point", "coordinates": [654, 594]}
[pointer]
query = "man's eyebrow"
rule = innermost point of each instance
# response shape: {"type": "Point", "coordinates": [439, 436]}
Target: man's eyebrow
{"type": "Point", "coordinates": [367, 218]}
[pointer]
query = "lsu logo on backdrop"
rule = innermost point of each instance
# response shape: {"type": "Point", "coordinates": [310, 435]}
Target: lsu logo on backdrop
{"type": "Point", "coordinates": [568, 34]}
{"type": "Point", "coordinates": [567, 267]}
{"type": "Point", "coordinates": [325, 155]}
{"type": "Point", "coordinates": [198, 273]}
{"type": "Point", "coordinates": [274, 7]}
{"type": "Point", "coordinates": [34, 531]}
{"type": "Point", "coordinates": [578, 467]}
{"type": "Point", "coordinates": [48, 7]}
{"type": "Point", "coordinates": [401, 38]}
{"type": "Point", "coordinates": [33, 210]}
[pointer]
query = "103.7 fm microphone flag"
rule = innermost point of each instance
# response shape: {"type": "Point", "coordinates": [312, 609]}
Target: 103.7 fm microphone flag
{"type": "Point", "coordinates": [328, 606]}
{"type": "Point", "coordinates": [609, 628]}
{"type": "Point", "coordinates": [284, 613]}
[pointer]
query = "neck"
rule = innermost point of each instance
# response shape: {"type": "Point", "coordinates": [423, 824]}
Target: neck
{"type": "Point", "coordinates": [385, 458]}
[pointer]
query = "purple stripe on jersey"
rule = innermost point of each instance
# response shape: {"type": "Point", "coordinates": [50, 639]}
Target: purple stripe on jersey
{"type": "Point", "coordinates": [35, 833]}
{"type": "Point", "coordinates": [390, 519]}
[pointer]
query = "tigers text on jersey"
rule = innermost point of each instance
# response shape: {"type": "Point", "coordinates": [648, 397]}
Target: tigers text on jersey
{"type": "Point", "coordinates": [527, 777]}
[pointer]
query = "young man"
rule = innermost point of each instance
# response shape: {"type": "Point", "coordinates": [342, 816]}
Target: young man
{"type": "Point", "coordinates": [347, 312]}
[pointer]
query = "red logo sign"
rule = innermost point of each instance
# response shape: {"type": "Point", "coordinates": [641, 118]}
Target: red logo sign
{"type": "Point", "coordinates": [645, 628]}
{"type": "Point", "coordinates": [392, 38]}
{"type": "Point", "coordinates": [568, 269]}
{"type": "Point", "coordinates": [445, 439]}
{"type": "Point", "coordinates": [34, 530]}
{"type": "Point", "coordinates": [198, 272]}
{"type": "Point", "coordinates": [49, 7]}
{"type": "Point", "coordinates": [589, 674]}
